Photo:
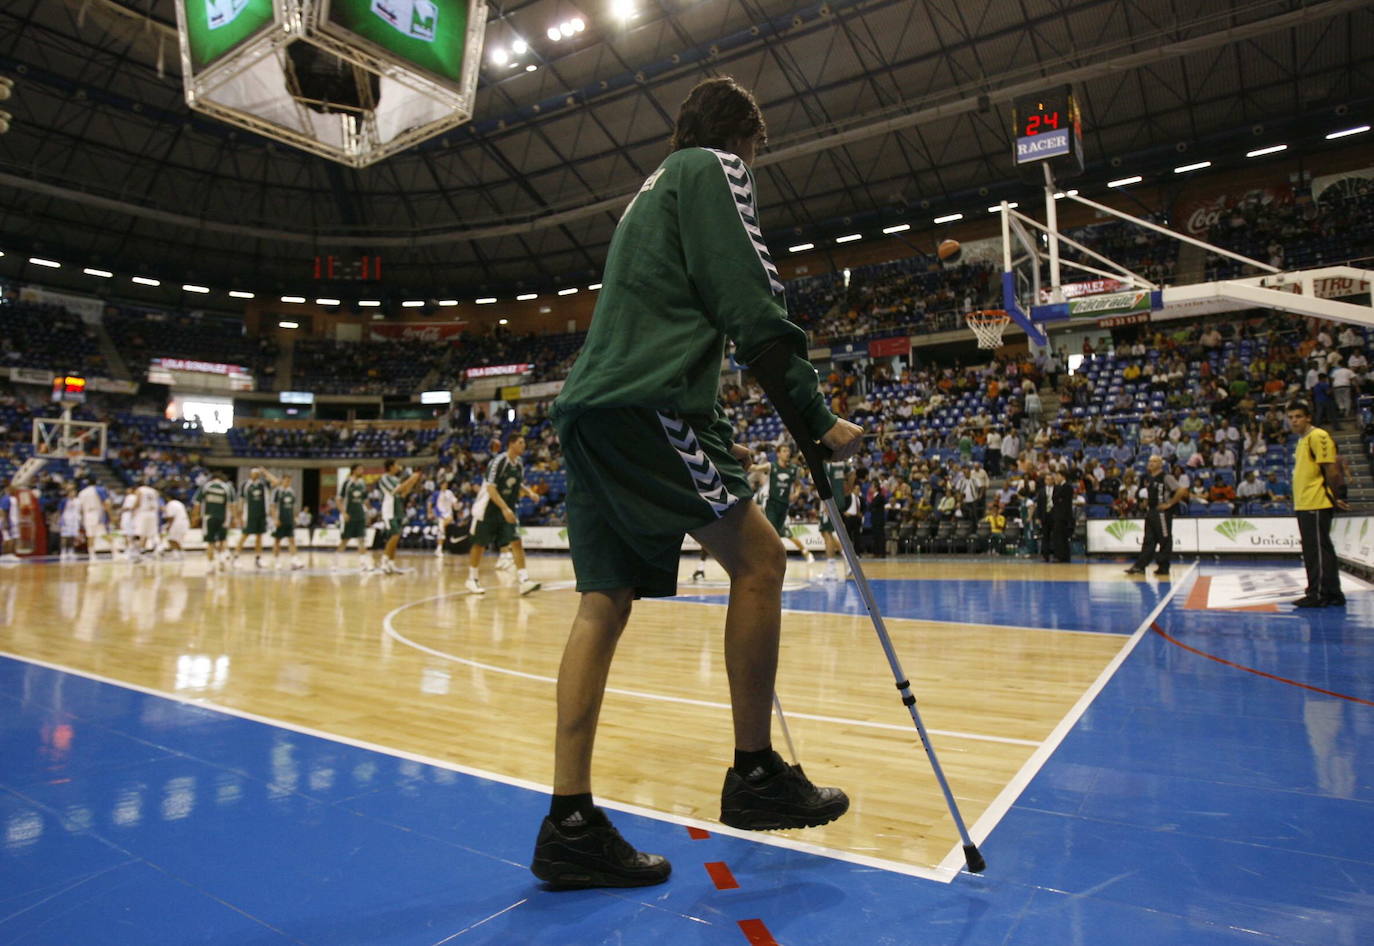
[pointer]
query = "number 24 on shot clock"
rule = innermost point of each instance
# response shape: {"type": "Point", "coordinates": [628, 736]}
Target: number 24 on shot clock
{"type": "Point", "coordinates": [1048, 127]}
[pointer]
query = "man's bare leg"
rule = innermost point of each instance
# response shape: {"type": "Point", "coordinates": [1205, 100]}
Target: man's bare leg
{"type": "Point", "coordinates": [586, 664]}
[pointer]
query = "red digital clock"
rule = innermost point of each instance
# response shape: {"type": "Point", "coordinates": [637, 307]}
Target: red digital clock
{"type": "Point", "coordinates": [1047, 128]}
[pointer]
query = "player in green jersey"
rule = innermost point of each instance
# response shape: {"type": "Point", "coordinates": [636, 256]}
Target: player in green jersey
{"type": "Point", "coordinates": [650, 458]}
{"type": "Point", "coordinates": [284, 520]}
{"type": "Point", "coordinates": [784, 485]}
{"type": "Point", "coordinates": [494, 522]}
{"type": "Point", "coordinates": [253, 500]}
{"type": "Point", "coordinates": [353, 517]}
{"type": "Point", "coordinates": [214, 502]}
{"type": "Point", "coordinates": [394, 491]}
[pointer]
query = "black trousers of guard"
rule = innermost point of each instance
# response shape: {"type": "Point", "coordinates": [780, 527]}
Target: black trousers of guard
{"type": "Point", "coordinates": [1318, 554]}
{"type": "Point", "coordinates": [1158, 543]}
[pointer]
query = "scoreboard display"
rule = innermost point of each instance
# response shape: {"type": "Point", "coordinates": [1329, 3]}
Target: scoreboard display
{"type": "Point", "coordinates": [69, 389]}
{"type": "Point", "coordinates": [1048, 128]}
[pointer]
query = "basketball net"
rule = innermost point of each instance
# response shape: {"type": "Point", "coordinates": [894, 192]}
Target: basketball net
{"type": "Point", "coordinates": [988, 326]}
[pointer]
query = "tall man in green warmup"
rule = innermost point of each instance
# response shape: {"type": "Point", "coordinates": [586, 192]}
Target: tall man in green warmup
{"type": "Point", "coordinates": [494, 521]}
{"type": "Point", "coordinates": [254, 500]}
{"type": "Point", "coordinates": [284, 520]}
{"type": "Point", "coordinates": [353, 521]}
{"type": "Point", "coordinates": [650, 458]}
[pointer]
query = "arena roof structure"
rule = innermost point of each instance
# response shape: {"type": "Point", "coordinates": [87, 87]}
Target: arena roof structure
{"type": "Point", "coordinates": [879, 111]}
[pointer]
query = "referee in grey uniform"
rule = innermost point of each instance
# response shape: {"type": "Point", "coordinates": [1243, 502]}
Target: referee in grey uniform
{"type": "Point", "coordinates": [1161, 493]}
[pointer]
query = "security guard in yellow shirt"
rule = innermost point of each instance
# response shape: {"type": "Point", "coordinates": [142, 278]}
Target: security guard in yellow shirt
{"type": "Point", "coordinates": [1318, 490]}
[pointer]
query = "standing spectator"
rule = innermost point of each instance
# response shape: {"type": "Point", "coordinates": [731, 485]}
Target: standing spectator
{"type": "Point", "coordinates": [1318, 490]}
{"type": "Point", "coordinates": [1341, 379]}
{"type": "Point", "coordinates": [1322, 400]}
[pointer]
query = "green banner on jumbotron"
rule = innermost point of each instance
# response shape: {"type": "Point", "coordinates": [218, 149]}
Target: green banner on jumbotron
{"type": "Point", "coordinates": [215, 28]}
{"type": "Point", "coordinates": [1115, 303]}
{"type": "Point", "coordinates": [428, 34]}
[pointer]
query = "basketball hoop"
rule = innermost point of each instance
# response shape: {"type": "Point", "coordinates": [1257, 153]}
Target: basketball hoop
{"type": "Point", "coordinates": [988, 325]}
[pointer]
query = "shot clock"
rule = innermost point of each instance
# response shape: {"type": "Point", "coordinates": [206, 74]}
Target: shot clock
{"type": "Point", "coordinates": [1048, 128]}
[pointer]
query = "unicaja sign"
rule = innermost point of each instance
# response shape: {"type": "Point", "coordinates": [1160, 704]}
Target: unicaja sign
{"type": "Point", "coordinates": [418, 19]}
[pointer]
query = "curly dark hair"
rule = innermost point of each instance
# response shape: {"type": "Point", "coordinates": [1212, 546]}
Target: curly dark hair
{"type": "Point", "coordinates": [716, 112]}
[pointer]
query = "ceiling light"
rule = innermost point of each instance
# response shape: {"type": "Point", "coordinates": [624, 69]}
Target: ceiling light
{"type": "Point", "coordinates": [293, 298]}
{"type": "Point", "coordinates": [448, 303]}
{"type": "Point", "coordinates": [1192, 167]}
{"type": "Point", "coordinates": [949, 218]}
{"type": "Point", "coordinates": [850, 238]}
{"type": "Point", "coordinates": [102, 273]}
{"type": "Point", "coordinates": [594, 287]}
{"type": "Point", "coordinates": [146, 281]}
{"type": "Point", "coordinates": [526, 297]}
{"type": "Point", "coordinates": [622, 9]}
{"type": "Point", "coordinates": [288, 325]}
{"type": "Point", "coordinates": [1011, 205]}
{"type": "Point", "coordinates": [377, 316]}
{"type": "Point", "coordinates": [519, 47]}
{"type": "Point", "coordinates": [531, 67]}
{"type": "Point", "coordinates": [566, 292]}
{"type": "Point", "coordinates": [1122, 182]}
{"type": "Point", "coordinates": [412, 303]}
{"type": "Point", "coordinates": [554, 34]}
{"type": "Point", "coordinates": [503, 322]}
{"type": "Point", "coordinates": [1272, 149]}
{"type": "Point", "coordinates": [500, 56]}
{"type": "Point", "coordinates": [1062, 194]}
{"type": "Point", "coordinates": [240, 294]}
{"type": "Point", "coordinates": [899, 228]}
{"type": "Point", "coordinates": [326, 302]}
{"type": "Point", "coordinates": [368, 303]}
{"type": "Point", "coordinates": [800, 247]}
{"type": "Point", "coordinates": [578, 24]}
{"type": "Point", "coordinates": [200, 289]}
{"type": "Point", "coordinates": [1357, 130]}
{"type": "Point", "coordinates": [565, 28]}
{"type": "Point", "coordinates": [488, 301]}
{"type": "Point", "coordinates": [51, 264]}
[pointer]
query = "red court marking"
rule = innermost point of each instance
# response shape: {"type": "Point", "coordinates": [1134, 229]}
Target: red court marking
{"type": "Point", "coordinates": [721, 876]}
{"type": "Point", "coordinates": [698, 834]}
{"type": "Point", "coordinates": [757, 933]}
{"type": "Point", "coordinates": [1199, 598]}
{"type": "Point", "coordinates": [1259, 673]}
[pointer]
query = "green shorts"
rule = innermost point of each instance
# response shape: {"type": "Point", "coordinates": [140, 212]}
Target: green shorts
{"type": "Point", "coordinates": [354, 527]}
{"type": "Point", "coordinates": [493, 531]}
{"type": "Point", "coordinates": [284, 531]}
{"type": "Point", "coordinates": [638, 481]}
{"type": "Point", "coordinates": [256, 524]}
{"type": "Point", "coordinates": [825, 522]}
{"type": "Point", "coordinates": [215, 530]}
{"type": "Point", "coordinates": [776, 513]}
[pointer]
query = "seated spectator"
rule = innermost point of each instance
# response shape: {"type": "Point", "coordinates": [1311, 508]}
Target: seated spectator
{"type": "Point", "coordinates": [1251, 489]}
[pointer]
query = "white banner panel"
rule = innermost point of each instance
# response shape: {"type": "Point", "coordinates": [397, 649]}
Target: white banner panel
{"type": "Point", "coordinates": [1243, 534]}
{"type": "Point", "coordinates": [1353, 537]}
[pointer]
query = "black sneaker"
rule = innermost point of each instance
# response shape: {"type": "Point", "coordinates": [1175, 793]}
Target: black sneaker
{"type": "Point", "coordinates": [785, 799]}
{"type": "Point", "coordinates": [1162, 572]}
{"type": "Point", "coordinates": [593, 855]}
{"type": "Point", "coordinates": [1334, 601]}
{"type": "Point", "coordinates": [1135, 571]}
{"type": "Point", "coordinates": [1308, 601]}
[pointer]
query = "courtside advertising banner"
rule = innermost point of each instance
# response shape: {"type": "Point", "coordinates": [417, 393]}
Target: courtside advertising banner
{"type": "Point", "coordinates": [1353, 537]}
{"type": "Point", "coordinates": [215, 28]}
{"type": "Point", "coordinates": [427, 34]}
{"type": "Point", "coordinates": [1249, 535]}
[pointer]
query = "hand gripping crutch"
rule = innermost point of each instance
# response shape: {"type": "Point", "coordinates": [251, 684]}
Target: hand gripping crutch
{"type": "Point", "coordinates": [769, 368]}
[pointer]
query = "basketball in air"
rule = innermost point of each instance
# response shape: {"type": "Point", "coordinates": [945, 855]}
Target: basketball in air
{"type": "Point", "coordinates": [949, 252]}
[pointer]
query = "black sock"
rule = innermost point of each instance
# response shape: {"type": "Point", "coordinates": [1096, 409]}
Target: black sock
{"type": "Point", "coordinates": [759, 763]}
{"type": "Point", "coordinates": [572, 811]}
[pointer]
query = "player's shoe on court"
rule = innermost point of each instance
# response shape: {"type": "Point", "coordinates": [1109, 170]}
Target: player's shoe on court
{"type": "Point", "coordinates": [1135, 571]}
{"type": "Point", "coordinates": [784, 798]}
{"type": "Point", "coordinates": [474, 587]}
{"type": "Point", "coordinates": [699, 575]}
{"type": "Point", "coordinates": [808, 558]}
{"type": "Point", "coordinates": [527, 586]}
{"type": "Point", "coordinates": [593, 854]}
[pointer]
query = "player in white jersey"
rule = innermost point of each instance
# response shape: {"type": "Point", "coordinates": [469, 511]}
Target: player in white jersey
{"type": "Point", "coordinates": [69, 522]}
{"type": "Point", "coordinates": [444, 504]}
{"type": "Point", "coordinates": [178, 522]}
{"type": "Point", "coordinates": [127, 530]}
{"type": "Point", "coordinates": [147, 525]}
{"type": "Point", "coordinates": [94, 504]}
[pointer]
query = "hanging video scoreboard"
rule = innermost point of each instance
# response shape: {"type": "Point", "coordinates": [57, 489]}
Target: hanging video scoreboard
{"type": "Point", "coordinates": [1048, 128]}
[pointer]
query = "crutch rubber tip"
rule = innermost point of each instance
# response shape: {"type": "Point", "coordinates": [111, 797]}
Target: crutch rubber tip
{"type": "Point", "coordinates": [976, 864]}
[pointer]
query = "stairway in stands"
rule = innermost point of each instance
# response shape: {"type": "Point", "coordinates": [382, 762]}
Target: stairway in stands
{"type": "Point", "coordinates": [1350, 445]}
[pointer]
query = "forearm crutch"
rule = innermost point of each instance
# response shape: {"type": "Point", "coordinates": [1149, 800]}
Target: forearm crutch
{"type": "Point", "coordinates": [769, 368]}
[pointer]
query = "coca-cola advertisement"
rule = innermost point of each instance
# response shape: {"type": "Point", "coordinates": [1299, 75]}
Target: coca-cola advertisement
{"type": "Point", "coordinates": [1228, 209]}
{"type": "Point", "coordinates": [416, 331]}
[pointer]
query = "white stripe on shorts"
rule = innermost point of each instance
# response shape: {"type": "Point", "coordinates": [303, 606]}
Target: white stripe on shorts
{"type": "Point", "coordinates": [705, 477]}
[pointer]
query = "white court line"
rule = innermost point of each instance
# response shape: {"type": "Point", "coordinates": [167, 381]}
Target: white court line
{"type": "Point", "coordinates": [941, 874]}
{"type": "Point", "coordinates": [994, 813]}
{"type": "Point", "coordinates": [389, 628]}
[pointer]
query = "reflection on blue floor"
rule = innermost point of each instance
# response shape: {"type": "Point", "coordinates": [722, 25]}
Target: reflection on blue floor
{"type": "Point", "coordinates": [1193, 803]}
{"type": "Point", "coordinates": [1110, 606]}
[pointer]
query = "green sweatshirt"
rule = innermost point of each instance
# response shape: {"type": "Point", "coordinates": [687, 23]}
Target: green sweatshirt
{"type": "Point", "coordinates": [687, 269]}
